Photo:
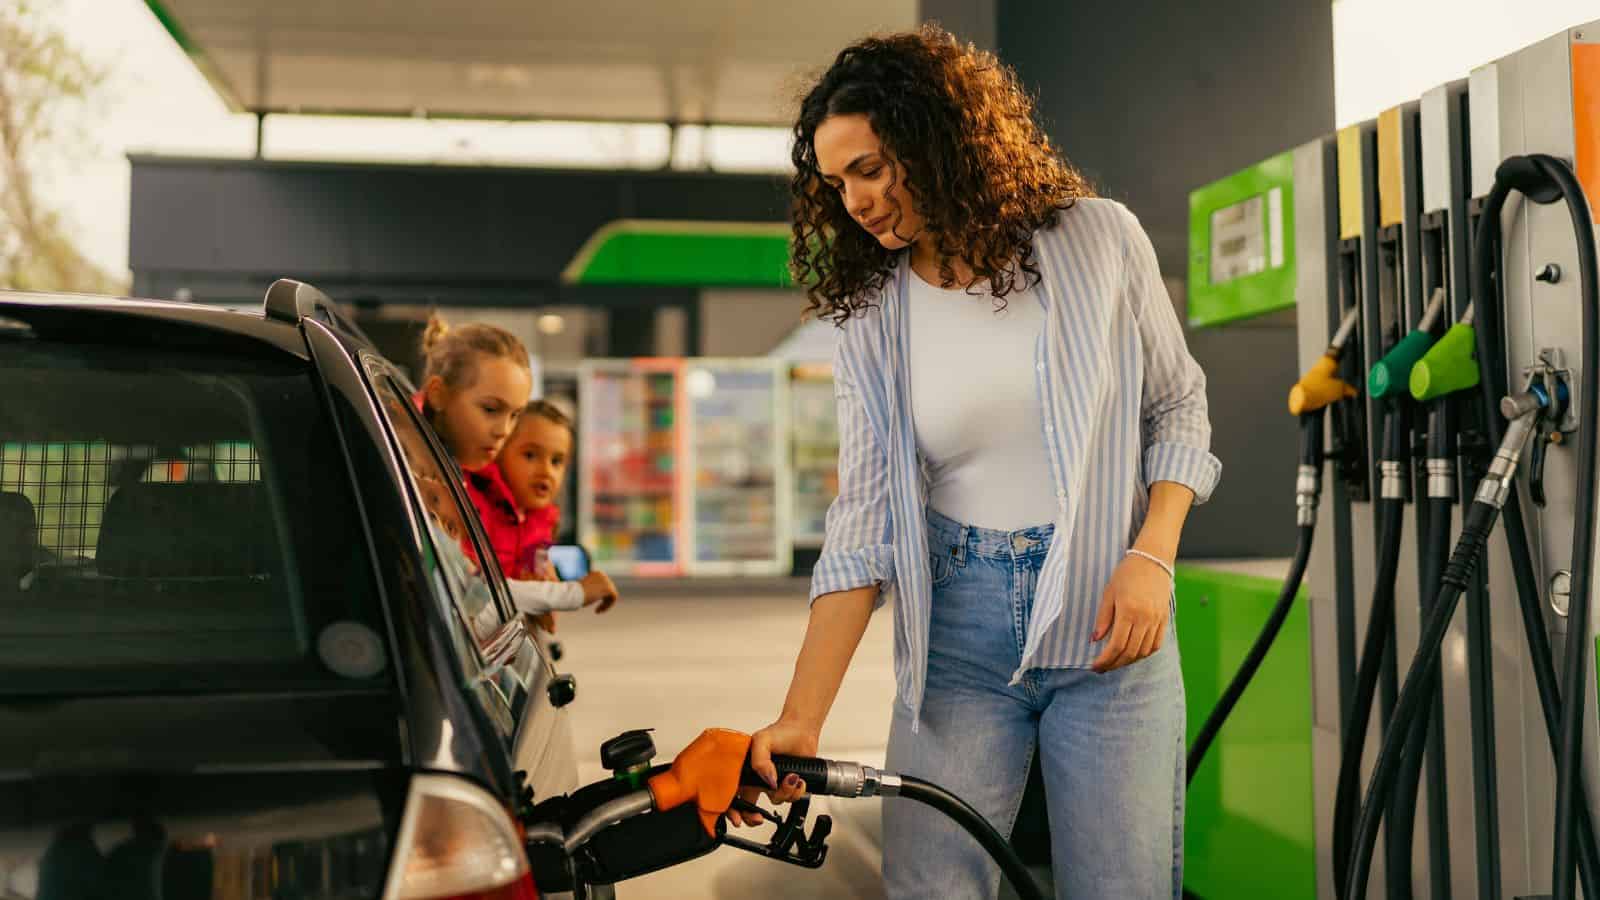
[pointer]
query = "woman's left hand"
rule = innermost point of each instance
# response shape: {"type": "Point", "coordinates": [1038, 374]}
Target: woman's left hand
{"type": "Point", "coordinates": [1133, 614]}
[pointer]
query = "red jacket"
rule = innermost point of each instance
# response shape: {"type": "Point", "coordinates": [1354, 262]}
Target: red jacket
{"type": "Point", "coordinates": [516, 535]}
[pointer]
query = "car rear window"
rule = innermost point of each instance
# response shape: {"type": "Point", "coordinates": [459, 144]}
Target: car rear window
{"type": "Point", "coordinates": [176, 520]}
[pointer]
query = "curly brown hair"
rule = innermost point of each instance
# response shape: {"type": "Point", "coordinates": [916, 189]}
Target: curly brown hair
{"type": "Point", "coordinates": [981, 172]}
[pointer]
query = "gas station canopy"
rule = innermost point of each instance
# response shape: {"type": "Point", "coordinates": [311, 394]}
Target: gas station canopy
{"type": "Point", "coordinates": [687, 61]}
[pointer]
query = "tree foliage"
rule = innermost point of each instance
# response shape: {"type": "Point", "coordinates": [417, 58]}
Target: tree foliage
{"type": "Point", "coordinates": [42, 78]}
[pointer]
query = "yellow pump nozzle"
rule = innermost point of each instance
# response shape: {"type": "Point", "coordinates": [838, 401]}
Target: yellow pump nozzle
{"type": "Point", "coordinates": [1318, 387]}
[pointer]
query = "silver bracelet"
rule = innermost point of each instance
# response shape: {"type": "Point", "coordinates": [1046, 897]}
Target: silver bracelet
{"type": "Point", "coordinates": [1165, 567]}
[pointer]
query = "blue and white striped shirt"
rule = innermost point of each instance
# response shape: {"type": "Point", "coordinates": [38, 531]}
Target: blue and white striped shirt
{"type": "Point", "coordinates": [1123, 405]}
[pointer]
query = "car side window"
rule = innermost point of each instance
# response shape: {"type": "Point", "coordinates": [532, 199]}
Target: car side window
{"type": "Point", "coordinates": [453, 543]}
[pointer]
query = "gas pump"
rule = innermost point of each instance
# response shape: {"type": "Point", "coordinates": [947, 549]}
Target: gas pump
{"type": "Point", "coordinates": [1545, 99]}
{"type": "Point", "coordinates": [1398, 259]}
{"type": "Point", "coordinates": [1533, 147]}
{"type": "Point", "coordinates": [1362, 260]}
{"type": "Point", "coordinates": [1456, 444]}
{"type": "Point", "coordinates": [1468, 343]}
{"type": "Point", "coordinates": [1327, 289]}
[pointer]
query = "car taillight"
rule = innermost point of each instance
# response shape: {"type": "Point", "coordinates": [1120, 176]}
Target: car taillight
{"type": "Point", "coordinates": [457, 843]}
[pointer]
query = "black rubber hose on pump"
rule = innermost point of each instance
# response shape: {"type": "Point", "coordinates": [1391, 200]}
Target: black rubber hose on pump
{"type": "Point", "coordinates": [1310, 456]}
{"type": "Point", "coordinates": [1380, 627]}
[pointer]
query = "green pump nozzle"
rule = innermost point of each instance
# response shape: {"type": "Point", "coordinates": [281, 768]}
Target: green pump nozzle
{"type": "Point", "coordinates": [1452, 364]}
{"type": "Point", "coordinates": [1392, 373]}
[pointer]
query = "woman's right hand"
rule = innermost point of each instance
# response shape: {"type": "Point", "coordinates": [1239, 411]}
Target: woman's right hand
{"type": "Point", "coordinates": [783, 736]}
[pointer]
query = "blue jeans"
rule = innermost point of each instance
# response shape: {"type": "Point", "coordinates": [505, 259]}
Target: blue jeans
{"type": "Point", "coordinates": [1111, 747]}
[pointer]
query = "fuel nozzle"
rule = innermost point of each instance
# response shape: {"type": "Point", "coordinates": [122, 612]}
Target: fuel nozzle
{"type": "Point", "coordinates": [1321, 384]}
{"type": "Point", "coordinates": [831, 777]}
{"type": "Point", "coordinates": [1523, 411]}
{"type": "Point", "coordinates": [710, 771]}
{"type": "Point", "coordinates": [1452, 364]}
{"type": "Point", "coordinates": [1392, 374]}
{"type": "Point", "coordinates": [706, 774]}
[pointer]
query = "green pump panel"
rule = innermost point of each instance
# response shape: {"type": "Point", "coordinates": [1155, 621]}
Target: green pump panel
{"type": "Point", "coordinates": [1241, 244]}
{"type": "Point", "coordinates": [1250, 823]}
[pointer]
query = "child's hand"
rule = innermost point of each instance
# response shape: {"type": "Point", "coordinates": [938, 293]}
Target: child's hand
{"type": "Point", "coordinates": [543, 621]}
{"type": "Point", "coordinates": [597, 588]}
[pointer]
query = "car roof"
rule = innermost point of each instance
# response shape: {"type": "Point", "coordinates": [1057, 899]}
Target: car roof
{"type": "Point", "coordinates": [70, 315]}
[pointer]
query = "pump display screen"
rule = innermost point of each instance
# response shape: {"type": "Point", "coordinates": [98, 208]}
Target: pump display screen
{"type": "Point", "coordinates": [1241, 244]}
{"type": "Point", "coordinates": [1238, 240]}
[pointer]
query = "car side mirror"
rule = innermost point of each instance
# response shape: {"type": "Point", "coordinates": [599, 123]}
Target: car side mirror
{"type": "Point", "coordinates": [571, 561]}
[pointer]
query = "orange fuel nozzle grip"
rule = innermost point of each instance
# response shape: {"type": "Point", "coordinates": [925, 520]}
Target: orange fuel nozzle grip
{"type": "Point", "coordinates": [706, 772]}
{"type": "Point", "coordinates": [1319, 387]}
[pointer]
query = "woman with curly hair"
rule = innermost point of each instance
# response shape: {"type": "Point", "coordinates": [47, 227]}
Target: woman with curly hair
{"type": "Point", "coordinates": [1022, 434]}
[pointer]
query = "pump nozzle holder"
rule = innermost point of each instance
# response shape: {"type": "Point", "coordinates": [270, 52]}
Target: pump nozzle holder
{"type": "Point", "coordinates": [1318, 387]}
{"type": "Point", "coordinates": [1392, 374]}
{"type": "Point", "coordinates": [1452, 365]}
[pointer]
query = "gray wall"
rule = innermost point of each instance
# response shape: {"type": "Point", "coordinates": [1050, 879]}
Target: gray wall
{"type": "Point", "coordinates": [1152, 98]}
{"type": "Point", "coordinates": [973, 21]}
{"type": "Point", "coordinates": [423, 234]}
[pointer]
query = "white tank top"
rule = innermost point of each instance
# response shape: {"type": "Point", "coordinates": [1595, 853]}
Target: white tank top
{"type": "Point", "coordinates": [975, 405]}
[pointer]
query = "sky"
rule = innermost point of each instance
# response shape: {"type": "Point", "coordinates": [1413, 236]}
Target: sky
{"type": "Point", "coordinates": [155, 101]}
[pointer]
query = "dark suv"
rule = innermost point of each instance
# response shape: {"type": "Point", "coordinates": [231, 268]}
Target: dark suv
{"type": "Point", "coordinates": [252, 641]}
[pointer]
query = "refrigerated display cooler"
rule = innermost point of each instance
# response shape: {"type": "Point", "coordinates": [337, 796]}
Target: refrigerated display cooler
{"type": "Point", "coordinates": [814, 450]}
{"type": "Point", "coordinates": [736, 467]}
{"type": "Point", "coordinates": [684, 466]}
{"type": "Point", "coordinates": [630, 493]}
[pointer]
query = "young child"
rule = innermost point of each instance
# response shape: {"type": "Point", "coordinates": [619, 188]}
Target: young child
{"type": "Point", "coordinates": [534, 464]}
{"type": "Point", "coordinates": [475, 383]}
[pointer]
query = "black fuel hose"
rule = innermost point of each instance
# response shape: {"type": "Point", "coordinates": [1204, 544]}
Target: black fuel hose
{"type": "Point", "coordinates": [1569, 764]}
{"type": "Point", "coordinates": [968, 818]}
{"type": "Point", "coordinates": [833, 778]}
{"type": "Point", "coordinates": [1310, 456]}
{"type": "Point", "coordinates": [1380, 628]}
{"type": "Point", "coordinates": [1404, 818]}
{"type": "Point", "coordinates": [1409, 715]}
{"type": "Point", "coordinates": [1402, 808]}
{"type": "Point", "coordinates": [1433, 527]}
{"type": "Point", "coordinates": [1459, 572]}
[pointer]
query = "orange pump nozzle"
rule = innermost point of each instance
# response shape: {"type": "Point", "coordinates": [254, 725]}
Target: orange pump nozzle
{"type": "Point", "coordinates": [706, 772]}
{"type": "Point", "coordinates": [1318, 387]}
